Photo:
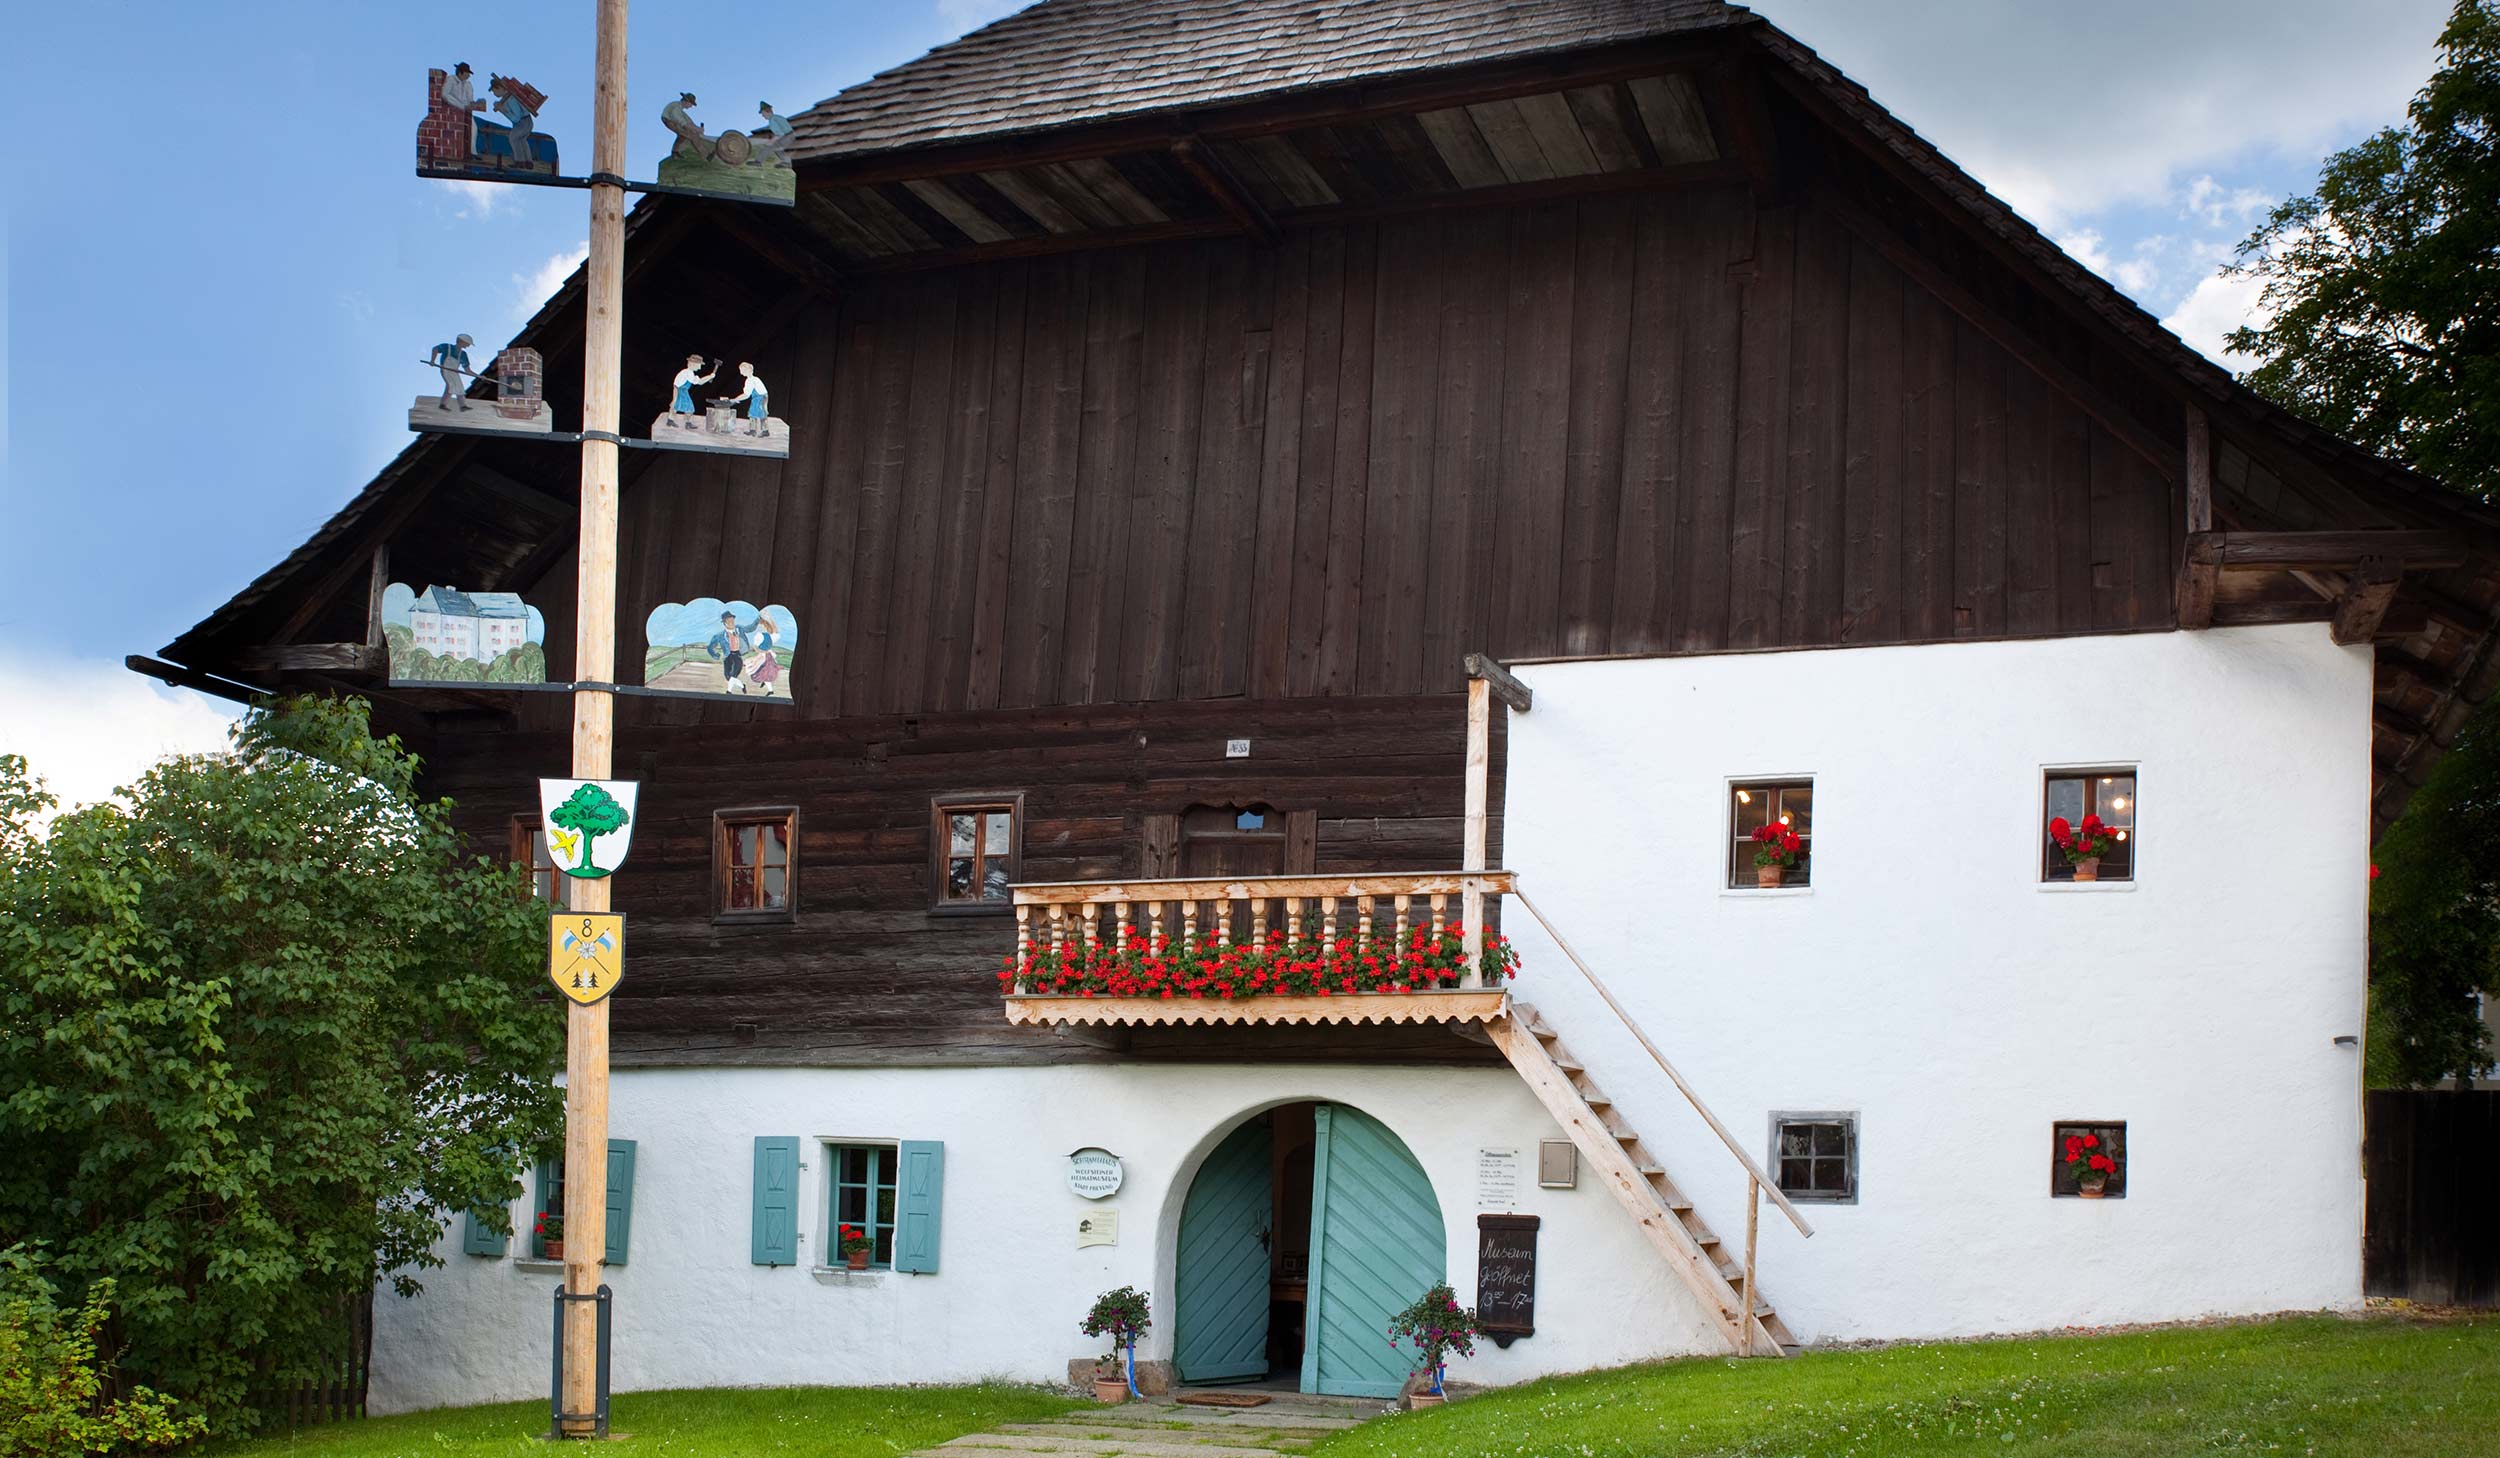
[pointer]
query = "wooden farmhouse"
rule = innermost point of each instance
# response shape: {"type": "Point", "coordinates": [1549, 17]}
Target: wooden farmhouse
{"type": "Point", "coordinates": [1203, 412]}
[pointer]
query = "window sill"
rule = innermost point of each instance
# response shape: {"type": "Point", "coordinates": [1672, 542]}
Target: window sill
{"type": "Point", "coordinates": [536, 1265]}
{"type": "Point", "coordinates": [973, 908]}
{"type": "Point", "coordinates": [845, 1276]}
{"type": "Point", "coordinates": [1766, 892]}
{"type": "Point", "coordinates": [725, 919]}
{"type": "Point", "coordinates": [2086, 888]}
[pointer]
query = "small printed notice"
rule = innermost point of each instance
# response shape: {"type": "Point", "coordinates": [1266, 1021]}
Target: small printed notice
{"type": "Point", "coordinates": [1094, 1174]}
{"type": "Point", "coordinates": [1098, 1227]}
{"type": "Point", "coordinates": [1497, 1179]}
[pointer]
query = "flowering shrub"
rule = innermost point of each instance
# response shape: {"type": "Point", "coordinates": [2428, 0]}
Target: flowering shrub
{"type": "Point", "coordinates": [1774, 844]}
{"type": "Point", "coordinates": [1169, 967]}
{"type": "Point", "coordinates": [850, 1240]}
{"type": "Point", "coordinates": [2089, 841]}
{"type": "Point", "coordinates": [1439, 1329]}
{"type": "Point", "coordinates": [2090, 1165]}
{"type": "Point", "coordinates": [1122, 1316]}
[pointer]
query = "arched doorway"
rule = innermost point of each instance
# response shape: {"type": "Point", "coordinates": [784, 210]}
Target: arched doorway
{"type": "Point", "coordinates": [1301, 1234]}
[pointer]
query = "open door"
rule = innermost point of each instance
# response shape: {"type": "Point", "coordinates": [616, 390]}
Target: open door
{"type": "Point", "coordinates": [1219, 1327]}
{"type": "Point", "coordinates": [1376, 1245]}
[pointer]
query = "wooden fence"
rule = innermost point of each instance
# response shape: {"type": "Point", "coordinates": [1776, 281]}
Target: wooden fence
{"type": "Point", "coordinates": [2432, 1157]}
{"type": "Point", "coordinates": [337, 1390]}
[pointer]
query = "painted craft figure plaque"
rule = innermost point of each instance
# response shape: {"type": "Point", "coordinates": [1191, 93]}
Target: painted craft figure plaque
{"type": "Point", "coordinates": [742, 423]}
{"type": "Point", "coordinates": [732, 649]}
{"type": "Point", "coordinates": [739, 164]}
{"type": "Point", "coordinates": [589, 824]}
{"type": "Point", "coordinates": [519, 406]}
{"type": "Point", "coordinates": [444, 635]}
{"type": "Point", "coordinates": [458, 139]}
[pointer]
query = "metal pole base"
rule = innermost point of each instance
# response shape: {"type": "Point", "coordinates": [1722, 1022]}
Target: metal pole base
{"type": "Point", "coordinates": [597, 1417]}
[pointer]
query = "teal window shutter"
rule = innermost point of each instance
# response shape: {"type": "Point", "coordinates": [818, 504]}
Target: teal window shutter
{"type": "Point", "coordinates": [922, 1185]}
{"type": "Point", "coordinates": [478, 1238]}
{"type": "Point", "coordinates": [620, 1199]}
{"type": "Point", "coordinates": [776, 1235]}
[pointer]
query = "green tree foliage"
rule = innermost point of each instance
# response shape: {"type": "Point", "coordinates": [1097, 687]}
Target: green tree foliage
{"type": "Point", "coordinates": [2383, 293]}
{"type": "Point", "coordinates": [259, 1029]}
{"type": "Point", "coordinates": [592, 811]}
{"type": "Point", "coordinates": [53, 1388]}
{"type": "Point", "coordinates": [2383, 285]}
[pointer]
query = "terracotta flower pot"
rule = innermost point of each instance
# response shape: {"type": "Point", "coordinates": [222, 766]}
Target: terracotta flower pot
{"type": "Point", "coordinates": [1769, 878]}
{"type": "Point", "coordinates": [1418, 1401]}
{"type": "Point", "coordinates": [1110, 1389]}
{"type": "Point", "coordinates": [553, 1249]}
{"type": "Point", "coordinates": [857, 1260]}
{"type": "Point", "coordinates": [2094, 1186]}
{"type": "Point", "coordinates": [2088, 869]}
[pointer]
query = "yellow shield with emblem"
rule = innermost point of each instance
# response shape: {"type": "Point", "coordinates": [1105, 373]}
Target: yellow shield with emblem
{"type": "Point", "coordinates": [586, 953]}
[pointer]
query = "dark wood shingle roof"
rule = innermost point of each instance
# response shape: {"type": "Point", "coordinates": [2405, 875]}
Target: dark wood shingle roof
{"type": "Point", "coordinates": [1062, 62]}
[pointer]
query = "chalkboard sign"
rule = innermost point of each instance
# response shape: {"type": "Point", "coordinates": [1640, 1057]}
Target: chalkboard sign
{"type": "Point", "coordinates": [1506, 1276]}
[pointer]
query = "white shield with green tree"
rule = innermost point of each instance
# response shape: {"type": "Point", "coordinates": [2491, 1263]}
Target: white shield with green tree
{"type": "Point", "coordinates": [587, 825]}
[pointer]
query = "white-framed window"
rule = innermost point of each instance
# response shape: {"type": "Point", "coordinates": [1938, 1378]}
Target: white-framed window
{"type": "Point", "coordinates": [862, 1178]}
{"type": "Point", "coordinates": [2075, 794]}
{"type": "Point", "coordinates": [1783, 800]}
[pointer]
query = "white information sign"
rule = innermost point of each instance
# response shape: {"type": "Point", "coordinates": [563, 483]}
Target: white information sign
{"type": "Point", "coordinates": [1098, 1227]}
{"type": "Point", "coordinates": [1497, 1179]}
{"type": "Point", "coordinates": [1094, 1174]}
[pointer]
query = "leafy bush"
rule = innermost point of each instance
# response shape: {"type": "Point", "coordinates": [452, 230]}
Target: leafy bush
{"type": "Point", "coordinates": [53, 1381]}
{"type": "Point", "coordinates": [260, 1027]}
{"type": "Point", "coordinates": [1121, 1315]}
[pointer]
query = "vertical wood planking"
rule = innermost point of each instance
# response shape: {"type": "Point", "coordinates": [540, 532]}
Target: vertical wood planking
{"type": "Point", "coordinates": [1341, 621]}
{"type": "Point", "coordinates": [1213, 639]}
{"type": "Point", "coordinates": [1405, 409]}
{"type": "Point", "coordinates": [2070, 513]}
{"type": "Point", "coordinates": [962, 485]}
{"type": "Point", "coordinates": [1316, 478]}
{"type": "Point", "coordinates": [995, 554]}
{"type": "Point", "coordinates": [1757, 541]}
{"type": "Point", "coordinates": [1272, 568]}
{"type": "Point", "coordinates": [1871, 586]}
{"type": "Point", "coordinates": [792, 577]}
{"type": "Point", "coordinates": [2030, 546]}
{"type": "Point", "coordinates": [1536, 428]}
{"type": "Point", "coordinates": [826, 632]}
{"type": "Point", "coordinates": [1979, 485]}
{"type": "Point", "coordinates": [880, 500]}
{"type": "Point", "coordinates": [1466, 449]}
{"type": "Point", "coordinates": [1115, 334]}
{"type": "Point", "coordinates": [1167, 460]}
{"type": "Point", "coordinates": [1817, 434]}
{"type": "Point", "coordinates": [1645, 581]}
{"type": "Point", "coordinates": [1712, 352]}
{"type": "Point", "coordinates": [1928, 471]}
{"type": "Point", "coordinates": [1046, 462]}
{"type": "Point", "coordinates": [1601, 347]}
{"type": "Point", "coordinates": [927, 434]}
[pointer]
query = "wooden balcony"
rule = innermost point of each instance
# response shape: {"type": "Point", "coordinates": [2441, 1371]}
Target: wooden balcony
{"type": "Point", "coordinates": [1348, 916]}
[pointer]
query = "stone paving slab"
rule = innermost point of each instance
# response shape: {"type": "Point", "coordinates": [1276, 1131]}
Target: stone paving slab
{"type": "Point", "coordinates": [1143, 1446]}
{"type": "Point", "coordinates": [1273, 1415]}
{"type": "Point", "coordinates": [1192, 1434]}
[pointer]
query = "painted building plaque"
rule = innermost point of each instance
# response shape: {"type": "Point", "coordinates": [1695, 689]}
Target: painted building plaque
{"type": "Point", "coordinates": [445, 635]}
{"type": "Point", "coordinates": [1094, 1174]}
{"type": "Point", "coordinates": [588, 824]}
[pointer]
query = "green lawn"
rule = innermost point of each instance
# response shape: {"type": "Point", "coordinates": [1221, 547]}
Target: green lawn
{"type": "Point", "coordinates": [817, 1422]}
{"type": "Point", "coordinates": [2382, 1387]}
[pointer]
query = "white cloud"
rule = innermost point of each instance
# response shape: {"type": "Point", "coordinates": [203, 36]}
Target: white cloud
{"type": "Point", "coordinates": [2067, 109]}
{"type": "Point", "coordinates": [2136, 273]}
{"type": "Point", "coordinates": [533, 289]}
{"type": "Point", "coordinates": [2217, 206]}
{"type": "Point", "coordinates": [477, 200]}
{"type": "Point", "coordinates": [89, 726]}
{"type": "Point", "coordinates": [2217, 305]}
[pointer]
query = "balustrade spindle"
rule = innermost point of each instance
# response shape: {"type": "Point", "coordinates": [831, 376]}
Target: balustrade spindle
{"type": "Point", "coordinates": [1398, 935]}
{"type": "Point", "coordinates": [1058, 930]}
{"type": "Point", "coordinates": [1189, 923]}
{"type": "Point", "coordinates": [1328, 924]}
{"type": "Point", "coordinates": [1258, 920]}
{"type": "Point", "coordinates": [1363, 922]}
{"type": "Point", "coordinates": [1224, 921]}
{"type": "Point", "coordinates": [1126, 929]}
{"type": "Point", "coordinates": [1293, 921]}
{"type": "Point", "coordinates": [1024, 944]}
{"type": "Point", "coordinates": [1091, 916]}
{"type": "Point", "coordinates": [1154, 924]}
{"type": "Point", "coordinates": [1440, 903]}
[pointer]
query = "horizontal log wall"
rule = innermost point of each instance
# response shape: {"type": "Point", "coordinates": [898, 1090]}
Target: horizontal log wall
{"type": "Point", "coordinates": [1666, 422]}
{"type": "Point", "coordinates": [866, 973]}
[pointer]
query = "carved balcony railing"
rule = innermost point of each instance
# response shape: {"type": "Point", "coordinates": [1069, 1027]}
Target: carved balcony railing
{"type": "Point", "coordinates": [1058, 923]}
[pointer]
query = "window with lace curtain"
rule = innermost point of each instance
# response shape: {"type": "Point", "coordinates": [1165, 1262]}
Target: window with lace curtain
{"type": "Point", "coordinates": [755, 864]}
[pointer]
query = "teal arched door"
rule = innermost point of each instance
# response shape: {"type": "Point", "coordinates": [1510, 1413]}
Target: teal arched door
{"type": "Point", "coordinates": [1376, 1245]}
{"type": "Point", "coordinates": [1219, 1326]}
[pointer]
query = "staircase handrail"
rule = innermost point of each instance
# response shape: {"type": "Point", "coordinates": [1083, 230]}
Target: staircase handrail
{"type": "Point", "coordinates": [1761, 1181]}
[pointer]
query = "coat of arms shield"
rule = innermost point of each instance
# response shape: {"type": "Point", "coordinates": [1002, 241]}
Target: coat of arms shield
{"type": "Point", "coordinates": [588, 824]}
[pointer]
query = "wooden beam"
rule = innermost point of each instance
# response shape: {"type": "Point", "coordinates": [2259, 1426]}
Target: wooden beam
{"type": "Point", "coordinates": [2364, 604]}
{"type": "Point", "coordinates": [192, 678]}
{"type": "Point", "coordinates": [1218, 182]}
{"type": "Point", "coordinates": [2341, 551]}
{"type": "Point", "coordinates": [311, 658]}
{"type": "Point", "coordinates": [2199, 477]}
{"type": "Point", "coordinates": [1500, 680]}
{"type": "Point", "coordinates": [1743, 124]}
{"type": "Point", "coordinates": [377, 584]}
{"type": "Point", "coordinates": [2200, 567]}
{"type": "Point", "coordinates": [805, 264]}
{"type": "Point", "coordinates": [2130, 432]}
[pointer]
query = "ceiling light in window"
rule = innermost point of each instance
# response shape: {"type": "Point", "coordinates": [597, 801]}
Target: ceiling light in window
{"type": "Point", "coordinates": [1783, 817]}
{"type": "Point", "coordinates": [2122, 835]}
{"type": "Point", "coordinates": [1744, 797]}
{"type": "Point", "coordinates": [2118, 802]}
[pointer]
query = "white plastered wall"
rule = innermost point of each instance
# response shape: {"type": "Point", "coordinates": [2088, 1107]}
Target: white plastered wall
{"type": "Point", "coordinates": [1930, 983]}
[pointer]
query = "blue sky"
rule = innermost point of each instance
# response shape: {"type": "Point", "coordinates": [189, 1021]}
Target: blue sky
{"type": "Point", "coordinates": [216, 299]}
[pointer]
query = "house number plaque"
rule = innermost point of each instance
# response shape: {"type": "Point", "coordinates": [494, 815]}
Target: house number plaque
{"type": "Point", "coordinates": [1094, 1174]}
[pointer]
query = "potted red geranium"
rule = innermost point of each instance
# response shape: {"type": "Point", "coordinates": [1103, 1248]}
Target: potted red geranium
{"type": "Point", "coordinates": [854, 1245]}
{"type": "Point", "coordinates": [2091, 1165]}
{"type": "Point", "coordinates": [2083, 845]}
{"type": "Point", "coordinates": [1776, 851]}
{"type": "Point", "coordinates": [550, 1235]}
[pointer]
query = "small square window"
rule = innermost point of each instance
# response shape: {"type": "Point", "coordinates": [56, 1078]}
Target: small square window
{"type": "Point", "coordinates": [1814, 1156]}
{"type": "Point", "coordinates": [2108, 1140]}
{"type": "Point", "coordinates": [1753, 804]}
{"type": "Point", "coordinates": [755, 864]}
{"type": "Point", "coordinates": [975, 851]}
{"type": "Point", "coordinates": [529, 848]}
{"type": "Point", "coordinates": [2072, 796]}
{"type": "Point", "coordinates": [861, 1195]}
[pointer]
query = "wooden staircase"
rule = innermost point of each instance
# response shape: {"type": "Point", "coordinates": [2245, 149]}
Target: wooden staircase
{"type": "Point", "coordinates": [1639, 1182]}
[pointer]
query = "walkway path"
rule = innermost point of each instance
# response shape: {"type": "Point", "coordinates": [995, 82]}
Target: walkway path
{"type": "Point", "coordinates": [1161, 1428]}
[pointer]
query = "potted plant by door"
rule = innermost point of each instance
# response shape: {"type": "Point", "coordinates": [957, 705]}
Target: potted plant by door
{"type": "Point", "coordinates": [2083, 845]}
{"type": "Point", "coordinates": [550, 1235]}
{"type": "Point", "coordinates": [1122, 1317]}
{"type": "Point", "coordinates": [1438, 1328]}
{"type": "Point", "coordinates": [854, 1245]}
{"type": "Point", "coordinates": [1776, 851]}
{"type": "Point", "coordinates": [2091, 1165]}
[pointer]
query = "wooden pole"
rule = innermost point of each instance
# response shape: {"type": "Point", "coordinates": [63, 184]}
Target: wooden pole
{"type": "Point", "coordinates": [594, 714]}
{"type": "Point", "coordinates": [1479, 769]}
{"type": "Point", "coordinates": [1753, 1221]}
